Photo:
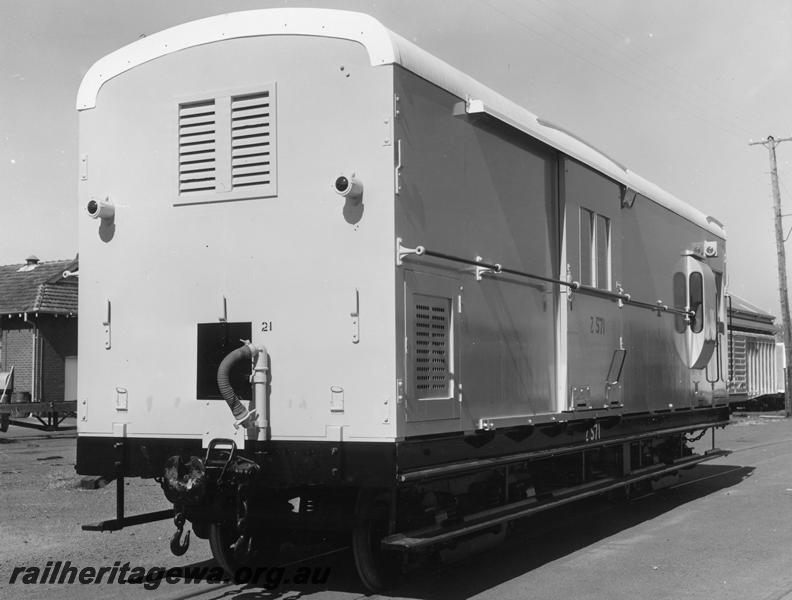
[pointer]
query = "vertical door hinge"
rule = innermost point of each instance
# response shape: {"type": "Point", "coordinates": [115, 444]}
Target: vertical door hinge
{"type": "Point", "coordinates": [355, 314]}
{"type": "Point", "coordinates": [106, 324]}
{"type": "Point", "coordinates": [398, 168]}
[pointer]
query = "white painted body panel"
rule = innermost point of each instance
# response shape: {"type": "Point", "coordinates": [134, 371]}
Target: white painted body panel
{"type": "Point", "coordinates": [293, 260]}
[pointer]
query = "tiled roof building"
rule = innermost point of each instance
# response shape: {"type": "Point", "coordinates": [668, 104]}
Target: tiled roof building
{"type": "Point", "coordinates": [38, 329]}
{"type": "Point", "coordinates": [38, 287]}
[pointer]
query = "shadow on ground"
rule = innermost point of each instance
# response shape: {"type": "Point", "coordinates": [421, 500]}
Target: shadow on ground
{"type": "Point", "coordinates": [533, 542]}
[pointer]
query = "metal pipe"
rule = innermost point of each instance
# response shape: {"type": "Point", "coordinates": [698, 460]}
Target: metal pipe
{"type": "Point", "coordinates": [260, 392]}
{"type": "Point", "coordinates": [224, 380]}
{"type": "Point", "coordinates": [500, 269]}
{"type": "Point", "coordinates": [241, 414]}
{"type": "Point", "coordinates": [621, 297]}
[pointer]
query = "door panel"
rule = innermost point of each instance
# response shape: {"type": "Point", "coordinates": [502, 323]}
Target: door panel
{"type": "Point", "coordinates": [594, 324]}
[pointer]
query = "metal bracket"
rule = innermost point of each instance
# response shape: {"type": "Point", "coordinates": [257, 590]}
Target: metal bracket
{"type": "Point", "coordinates": [575, 285]}
{"type": "Point", "coordinates": [486, 425]}
{"type": "Point", "coordinates": [625, 295]}
{"type": "Point", "coordinates": [247, 420]}
{"type": "Point", "coordinates": [481, 271]}
{"type": "Point", "coordinates": [402, 251]}
{"type": "Point", "coordinates": [580, 397]}
{"type": "Point", "coordinates": [628, 197]}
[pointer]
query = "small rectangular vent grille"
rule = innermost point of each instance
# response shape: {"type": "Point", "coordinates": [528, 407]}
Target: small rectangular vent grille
{"type": "Point", "coordinates": [432, 346]}
{"type": "Point", "coordinates": [251, 156]}
{"type": "Point", "coordinates": [197, 147]}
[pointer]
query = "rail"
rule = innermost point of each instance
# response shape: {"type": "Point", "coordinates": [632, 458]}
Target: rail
{"type": "Point", "coordinates": [491, 269]}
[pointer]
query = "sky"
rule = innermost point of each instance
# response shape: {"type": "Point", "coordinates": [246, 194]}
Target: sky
{"type": "Point", "coordinates": [673, 89]}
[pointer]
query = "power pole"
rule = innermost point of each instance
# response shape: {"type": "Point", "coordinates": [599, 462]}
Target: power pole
{"type": "Point", "coordinates": [770, 143]}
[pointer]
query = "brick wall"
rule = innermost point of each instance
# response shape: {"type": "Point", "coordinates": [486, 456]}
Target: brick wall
{"type": "Point", "coordinates": [18, 352]}
{"type": "Point", "coordinates": [57, 340]}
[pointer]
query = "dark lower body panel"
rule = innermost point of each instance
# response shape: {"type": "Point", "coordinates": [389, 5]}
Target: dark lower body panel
{"type": "Point", "coordinates": [381, 464]}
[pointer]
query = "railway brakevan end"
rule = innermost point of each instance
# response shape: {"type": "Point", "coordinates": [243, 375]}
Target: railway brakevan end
{"type": "Point", "coordinates": [329, 282]}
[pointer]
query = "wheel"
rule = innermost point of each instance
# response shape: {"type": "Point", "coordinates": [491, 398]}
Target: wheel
{"type": "Point", "coordinates": [222, 540]}
{"type": "Point", "coordinates": [378, 570]}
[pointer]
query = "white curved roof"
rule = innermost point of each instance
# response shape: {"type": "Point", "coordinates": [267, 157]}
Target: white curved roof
{"type": "Point", "coordinates": [383, 47]}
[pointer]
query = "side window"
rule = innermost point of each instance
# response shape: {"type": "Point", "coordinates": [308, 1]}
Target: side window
{"type": "Point", "coordinates": [697, 301]}
{"type": "Point", "coordinates": [602, 244]}
{"type": "Point", "coordinates": [595, 249]}
{"type": "Point", "coordinates": [586, 247]}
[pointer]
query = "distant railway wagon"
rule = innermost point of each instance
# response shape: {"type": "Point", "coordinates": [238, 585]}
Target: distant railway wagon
{"type": "Point", "coordinates": [330, 285]}
{"type": "Point", "coordinates": [756, 360]}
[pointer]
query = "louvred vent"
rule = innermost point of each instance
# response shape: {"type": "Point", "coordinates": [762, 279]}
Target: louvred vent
{"type": "Point", "coordinates": [197, 147]}
{"type": "Point", "coordinates": [432, 338]}
{"type": "Point", "coordinates": [228, 147]}
{"type": "Point", "coordinates": [251, 140]}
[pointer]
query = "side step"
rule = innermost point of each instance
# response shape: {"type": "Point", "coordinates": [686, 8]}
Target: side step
{"type": "Point", "coordinates": [122, 520]}
{"type": "Point", "coordinates": [477, 522]}
{"type": "Point", "coordinates": [118, 524]}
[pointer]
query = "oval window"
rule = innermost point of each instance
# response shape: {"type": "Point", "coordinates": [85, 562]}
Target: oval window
{"type": "Point", "coordinates": [695, 291]}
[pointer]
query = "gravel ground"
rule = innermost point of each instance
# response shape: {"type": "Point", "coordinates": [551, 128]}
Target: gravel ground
{"type": "Point", "coordinates": [42, 508]}
{"type": "Point", "coordinates": [723, 532]}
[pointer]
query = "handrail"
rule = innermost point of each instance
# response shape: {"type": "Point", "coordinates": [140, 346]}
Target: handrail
{"type": "Point", "coordinates": [497, 268]}
{"type": "Point", "coordinates": [487, 268]}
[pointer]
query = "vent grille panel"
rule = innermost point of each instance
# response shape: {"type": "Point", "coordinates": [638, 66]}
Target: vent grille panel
{"type": "Point", "coordinates": [197, 147]}
{"type": "Point", "coordinates": [227, 146]}
{"type": "Point", "coordinates": [251, 133]}
{"type": "Point", "coordinates": [432, 346]}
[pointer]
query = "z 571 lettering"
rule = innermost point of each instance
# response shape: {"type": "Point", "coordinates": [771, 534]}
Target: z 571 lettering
{"type": "Point", "coordinates": [597, 325]}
